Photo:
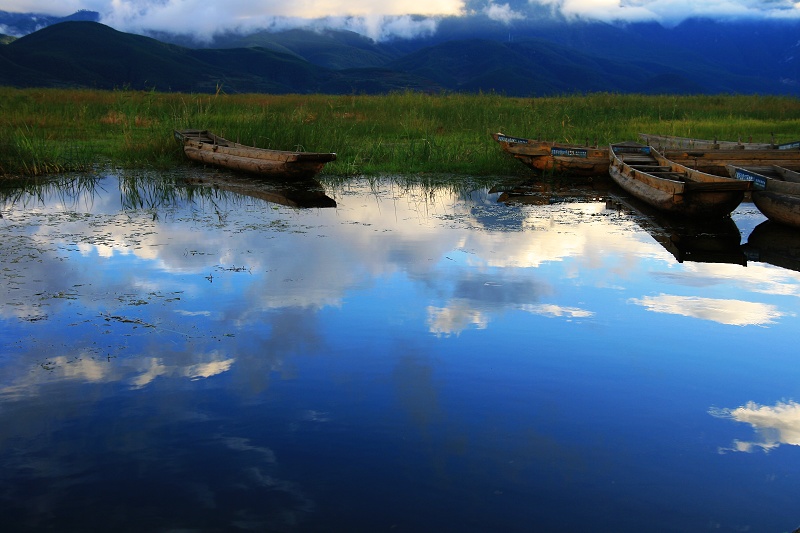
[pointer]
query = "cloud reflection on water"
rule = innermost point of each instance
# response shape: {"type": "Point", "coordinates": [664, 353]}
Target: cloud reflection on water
{"type": "Point", "coordinates": [731, 312]}
{"type": "Point", "coordinates": [775, 425]}
{"type": "Point", "coordinates": [280, 321]}
{"type": "Point", "coordinates": [472, 259]}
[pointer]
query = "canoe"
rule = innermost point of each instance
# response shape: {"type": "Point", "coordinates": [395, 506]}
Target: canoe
{"type": "Point", "coordinates": [776, 191]}
{"type": "Point", "coordinates": [670, 142]}
{"type": "Point", "coordinates": [593, 161]}
{"type": "Point", "coordinates": [671, 187]}
{"type": "Point", "coordinates": [205, 147]}
{"type": "Point", "coordinates": [560, 158]}
{"type": "Point", "coordinates": [716, 161]}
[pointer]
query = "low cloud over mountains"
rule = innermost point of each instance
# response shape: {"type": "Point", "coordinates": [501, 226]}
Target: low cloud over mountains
{"type": "Point", "coordinates": [204, 21]}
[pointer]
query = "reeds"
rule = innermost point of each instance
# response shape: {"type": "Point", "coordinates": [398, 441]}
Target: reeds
{"type": "Point", "coordinates": [53, 130]}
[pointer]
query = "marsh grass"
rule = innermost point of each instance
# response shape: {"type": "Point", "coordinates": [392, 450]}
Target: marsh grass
{"type": "Point", "coordinates": [31, 153]}
{"type": "Point", "coordinates": [68, 188]}
{"type": "Point", "coordinates": [44, 131]}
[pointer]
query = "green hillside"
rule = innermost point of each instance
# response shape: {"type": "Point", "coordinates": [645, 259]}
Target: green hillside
{"type": "Point", "coordinates": [89, 54]}
{"type": "Point", "coordinates": [259, 70]}
{"type": "Point", "coordinates": [335, 50]}
{"type": "Point", "coordinates": [68, 55]}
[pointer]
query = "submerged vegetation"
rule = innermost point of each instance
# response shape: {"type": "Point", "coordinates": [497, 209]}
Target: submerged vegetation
{"type": "Point", "coordinates": [53, 130]}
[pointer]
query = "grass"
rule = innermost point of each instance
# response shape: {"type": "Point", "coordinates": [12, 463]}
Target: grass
{"type": "Point", "coordinates": [44, 131]}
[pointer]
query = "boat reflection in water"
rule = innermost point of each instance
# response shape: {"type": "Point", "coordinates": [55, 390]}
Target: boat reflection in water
{"type": "Point", "coordinates": [139, 191]}
{"type": "Point", "coordinates": [304, 193]}
{"type": "Point", "coordinates": [538, 192]}
{"type": "Point", "coordinates": [702, 241]}
{"type": "Point", "coordinates": [774, 243]}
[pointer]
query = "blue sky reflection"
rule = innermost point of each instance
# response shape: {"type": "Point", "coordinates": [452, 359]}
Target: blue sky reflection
{"type": "Point", "coordinates": [385, 362]}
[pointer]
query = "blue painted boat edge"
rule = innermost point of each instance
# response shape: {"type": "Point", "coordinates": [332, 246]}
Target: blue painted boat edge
{"type": "Point", "coordinates": [569, 152]}
{"type": "Point", "coordinates": [628, 149]}
{"type": "Point", "coordinates": [789, 146]}
{"type": "Point", "coordinates": [507, 139]}
{"type": "Point", "coordinates": [759, 181]}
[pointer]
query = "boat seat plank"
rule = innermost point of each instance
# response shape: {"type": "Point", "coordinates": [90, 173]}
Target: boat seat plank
{"type": "Point", "coordinates": [717, 185]}
{"type": "Point", "coordinates": [677, 176]}
{"type": "Point", "coordinates": [651, 168]}
{"type": "Point", "coordinates": [637, 159]}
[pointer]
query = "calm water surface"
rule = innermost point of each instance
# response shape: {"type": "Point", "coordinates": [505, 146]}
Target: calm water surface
{"type": "Point", "coordinates": [413, 359]}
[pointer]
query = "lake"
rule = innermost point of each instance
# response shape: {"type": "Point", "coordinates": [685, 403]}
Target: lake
{"type": "Point", "coordinates": [202, 353]}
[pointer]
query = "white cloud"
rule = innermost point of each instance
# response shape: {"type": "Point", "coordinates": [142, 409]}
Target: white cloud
{"type": "Point", "coordinates": [775, 425]}
{"type": "Point", "coordinates": [553, 311]}
{"type": "Point", "coordinates": [204, 19]}
{"type": "Point", "coordinates": [607, 10]}
{"type": "Point", "coordinates": [376, 27]}
{"type": "Point", "coordinates": [731, 312]}
{"type": "Point", "coordinates": [154, 367]}
{"type": "Point", "coordinates": [502, 13]}
{"type": "Point", "coordinates": [671, 11]}
{"type": "Point", "coordinates": [383, 20]}
{"type": "Point", "coordinates": [455, 319]}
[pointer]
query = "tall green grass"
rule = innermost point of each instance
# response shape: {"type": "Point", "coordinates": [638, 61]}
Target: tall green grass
{"type": "Point", "coordinates": [51, 130]}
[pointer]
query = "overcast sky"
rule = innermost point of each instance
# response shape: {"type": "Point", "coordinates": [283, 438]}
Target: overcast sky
{"type": "Point", "coordinates": [384, 18]}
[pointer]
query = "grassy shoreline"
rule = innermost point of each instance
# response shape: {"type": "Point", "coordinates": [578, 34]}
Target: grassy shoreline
{"type": "Point", "coordinates": [44, 131]}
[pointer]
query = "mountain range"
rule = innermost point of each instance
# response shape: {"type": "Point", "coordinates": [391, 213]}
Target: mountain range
{"type": "Point", "coordinates": [548, 58]}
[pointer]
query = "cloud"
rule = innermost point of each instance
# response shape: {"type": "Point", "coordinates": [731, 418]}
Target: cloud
{"type": "Point", "coordinates": [775, 425]}
{"type": "Point", "coordinates": [388, 19]}
{"type": "Point", "coordinates": [670, 11]}
{"type": "Point", "coordinates": [475, 302]}
{"type": "Point", "coordinates": [502, 13]}
{"type": "Point", "coordinates": [391, 18]}
{"type": "Point", "coordinates": [154, 367]}
{"type": "Point", "coordinates": [455, 319]}
{"type": "Point", "coordinates": [379, 27]}
{"type": "Point", "coordinates": [731, 312]}
{"type": "Point", "coordinates": [553, 311]}
{"type": "Point", "coordinates": [607, 10]}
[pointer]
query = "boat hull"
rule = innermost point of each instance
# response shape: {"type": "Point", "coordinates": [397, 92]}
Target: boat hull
{"type": "Point", "coordinates": [556, 158]}
{"type": "Point", "coordinates": [716, 161]}
{"type": "Point", "coordinates": [665, 142]}
{"type": "Point", "coordinates": [776, 191]}
{"type": "Point", "coordinates": [204, 147]}
{"type": "Point", "coordinates": [695, 195]}
{"type": "Point", "coordinates": [697, 205]}
{"type": "Point", "coordinates": [586, 161]}
{"type": "Point", "coordinates": [779, 207]}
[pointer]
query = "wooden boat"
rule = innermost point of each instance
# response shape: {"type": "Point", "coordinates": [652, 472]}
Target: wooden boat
{"type": "Point", "coordinates": [205, 147]}
{"type": "Point", "coordinates": [561, 158]}
{"type": "Point", "coordinates": [670, 142]}
{"type": "Point", "coordinates": [776, 191]}
{"type": "Point", "coordinates": [671, 187]}
{"type": "Point", "coordinates": [593, 161]}
{"type": "Point", "coordinates": [716, 161]}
